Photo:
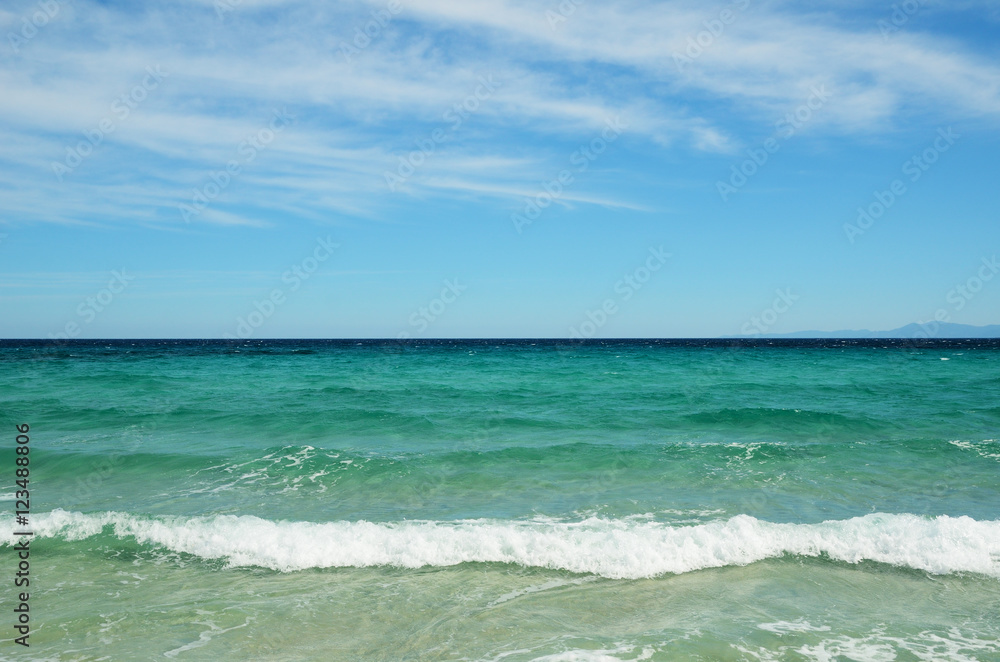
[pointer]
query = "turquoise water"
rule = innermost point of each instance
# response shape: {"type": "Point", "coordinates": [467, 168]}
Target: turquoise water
{"type": "Point", "coordinates": [528, 500]}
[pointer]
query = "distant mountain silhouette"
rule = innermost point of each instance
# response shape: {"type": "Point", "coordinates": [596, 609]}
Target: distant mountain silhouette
{"type": "Point", "coordinates": [926, 330]}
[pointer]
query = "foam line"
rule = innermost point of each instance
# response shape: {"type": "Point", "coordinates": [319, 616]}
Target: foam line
{"type": "Point", "coordinates": [622, 549]}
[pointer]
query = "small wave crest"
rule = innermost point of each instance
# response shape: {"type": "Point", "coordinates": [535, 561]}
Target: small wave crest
{"type": "Point", "coordinates": [619, 549]}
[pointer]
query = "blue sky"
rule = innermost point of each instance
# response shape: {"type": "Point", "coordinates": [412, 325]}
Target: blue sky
{"type": "Point", "coordinates": [496, 168]}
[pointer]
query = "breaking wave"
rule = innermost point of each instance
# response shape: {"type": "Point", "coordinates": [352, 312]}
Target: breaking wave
{"type": "Point", "coordinates": [620, 549]}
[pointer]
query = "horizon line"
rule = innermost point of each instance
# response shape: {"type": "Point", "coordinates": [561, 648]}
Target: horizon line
{"type": "Point", "coordinates": [721, 339]}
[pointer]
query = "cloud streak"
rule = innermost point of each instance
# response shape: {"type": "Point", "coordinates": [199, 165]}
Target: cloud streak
{"type": "Point", "coordinates": [560, 82]}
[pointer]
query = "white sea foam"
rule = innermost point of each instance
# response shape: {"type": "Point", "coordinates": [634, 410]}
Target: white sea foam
{"type": "Point", "coordinates": [583, 655]}
{"type": "Point", "coordinates": [784, 627]}
{"type": "Point", "coordinates": [878, 646]}
{"type": "Point", "coordinates": [204, 638]}
{"type": "Point", "coordinates": [982, 448]}
{"type": "Point", "coordinates": [557, 583]}
{"type": "Point", "coordinates": [622, 549]}
{"type": "Point", "coordinates": [595, 655]}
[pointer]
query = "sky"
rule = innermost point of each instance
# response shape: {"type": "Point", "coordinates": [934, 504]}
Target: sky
{"type": "Point", "coordinates": [496, 168]}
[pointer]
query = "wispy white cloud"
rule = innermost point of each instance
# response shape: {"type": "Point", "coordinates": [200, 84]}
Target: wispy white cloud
{"type": "Point", "coordinates": [516, 192]}
{"type": "Point", "coordinates": [558, 82]}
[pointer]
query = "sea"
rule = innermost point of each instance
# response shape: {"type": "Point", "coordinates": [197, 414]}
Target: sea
{"type": "Point", "coordinates": [503, 500]}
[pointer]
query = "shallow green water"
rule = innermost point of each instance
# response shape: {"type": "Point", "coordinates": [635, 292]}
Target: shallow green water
{"type": "Point", "coordinates": [509, 501]}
